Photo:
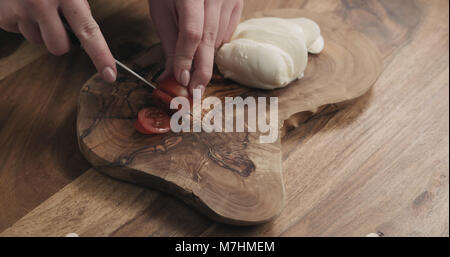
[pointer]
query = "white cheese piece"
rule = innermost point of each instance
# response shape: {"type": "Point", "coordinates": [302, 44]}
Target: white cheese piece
{"type": "Point", "coordinates": [314, 40]}
{"type": "Point", "coordinates": [256, 64]}
{"type": "Point", "coordinates": [269, 53]}
{"type": "Point", "coordinates": [317, 46]}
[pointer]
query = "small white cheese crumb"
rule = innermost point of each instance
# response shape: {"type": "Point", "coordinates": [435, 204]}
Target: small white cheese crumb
{"type": "Point", "coordinates": [72, 235]}
{"type": "Point", "coordinates": [373, 235]}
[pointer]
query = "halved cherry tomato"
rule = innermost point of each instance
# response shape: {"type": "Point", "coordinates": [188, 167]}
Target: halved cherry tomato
{"type": "Point", "coordinates": [152, 120]}
{"type": "Point", "coordinates": [173, 88]}
{"type": "Point", "coordinates": [162, 98]}
{"type": "Point", "coordinates": [169, 89]}
{"type": "Point", "coordinates": [139, 128]}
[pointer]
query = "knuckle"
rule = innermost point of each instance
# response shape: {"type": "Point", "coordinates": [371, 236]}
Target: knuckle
{"type": "Point", "coordinates": [59, 50]}
{"type": "Point", "coordinates": [7, 28]}
{"type": "Point", "coordinates": [204, 76]}
{"type": "Point", "coordinates": [8, 24]}
{"type": "Point", "coordinates": [216, 3]}
{"type": "Point", "coordinates": [38, 6]}
{"type": "Point", "coordinates": [182, 62]}
{"type": "Point", "coordinates": [193, 35]}
{"type": "Point", "coordinates": [219, 43]}
{"type": "Point", "coordinates": [24, 16]}
{"type": "Point", "coordinates": [88, 30]}
{"type": "Point", "coordinates": [209, 38]}
{"type": "Point", "coordinates": [102, 56]}
{"type": "Point", "coordinates": [20, 14]}
{"type": "Point", "coordinates": [238, 5]}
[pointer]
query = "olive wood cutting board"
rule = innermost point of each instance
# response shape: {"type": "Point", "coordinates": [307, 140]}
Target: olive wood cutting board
{"type": "Point", "coordinates": [230, 177]}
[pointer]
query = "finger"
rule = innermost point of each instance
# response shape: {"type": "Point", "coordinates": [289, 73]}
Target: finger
{"type": "Point", "coordinates": [204, 61]}
{"type": "Point", "coordinates": [190, 27]}
{"type": "Point", "coordinates": [225, 15]}
{"type": "Point", "coordinates": [164, 22]}
{"type": "Point", "coordinates": [204, 58]}
{"type": "Point", "coordinates": [235, 18]}
{"type": "Point", "coordinates": [10, 27]}
{"type": "Point", "coordinates": [30, 30]}
{"type": "Point", "coordinates": [168, 70]}
{"type": "Point", "coordinates": [84, 26]}
{"type": "Point", "coordinates": [8, 21]}
{"type": "Point", "coordinates": [53, 33]}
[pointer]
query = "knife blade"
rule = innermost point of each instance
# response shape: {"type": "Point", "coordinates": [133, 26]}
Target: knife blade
{"type": "Point", "coordinates": [135, 74]}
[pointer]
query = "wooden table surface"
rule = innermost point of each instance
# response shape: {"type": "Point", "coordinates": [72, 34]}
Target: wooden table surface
{"type": "Point", "coordinates": [378, 166]}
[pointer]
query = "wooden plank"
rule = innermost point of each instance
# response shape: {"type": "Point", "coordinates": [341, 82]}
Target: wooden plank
{"type": "Point", "coordinates": [16, 53]}
{"type": "Point", "coordinates": [378, 166]}
{"type": "Point", "coordinates": [96, 205]}
{"type": "Point", "coordinates": [39, 151]}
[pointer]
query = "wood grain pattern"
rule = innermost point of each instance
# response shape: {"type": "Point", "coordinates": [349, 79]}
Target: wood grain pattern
{"type": "Point", "coordinates": [225, 175]}
{"type": "Point", "coordinates": [114, 200]}
{"type": "Point", "coordinates": [39, 153]}
{"type": "Point", "coordinates": [379, 165]}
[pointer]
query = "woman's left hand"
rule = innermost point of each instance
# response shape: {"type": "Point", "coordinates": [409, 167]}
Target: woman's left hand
{"type": "Point", "coordinates": [190, 32]}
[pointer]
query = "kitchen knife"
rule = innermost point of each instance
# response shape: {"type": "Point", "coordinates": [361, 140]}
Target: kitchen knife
{"type": "Point", "coordinates": [74, 40]}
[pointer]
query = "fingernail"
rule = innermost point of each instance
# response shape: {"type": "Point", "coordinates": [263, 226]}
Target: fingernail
{"type": "Point", "coordinates": [184, 78]}
{"type": "Point", "coordinates": [202, 88]}
{"type": "Point", "coordinates": [109, 75]}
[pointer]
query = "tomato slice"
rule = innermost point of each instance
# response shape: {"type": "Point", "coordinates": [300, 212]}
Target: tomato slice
{"type": "Point", "coordinates": [173, 88]}
{"type": "Point", "coordinates": [152, 120]}
{"type": "Point", "coordinates": [139, 128]}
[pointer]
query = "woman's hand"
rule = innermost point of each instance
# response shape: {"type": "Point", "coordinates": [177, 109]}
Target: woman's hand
{"type": "Point", "coordinates": [39, 22]}
{"type": "Point", "coordinates": [190, 31]}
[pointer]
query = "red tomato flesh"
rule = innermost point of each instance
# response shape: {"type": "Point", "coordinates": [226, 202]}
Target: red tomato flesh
{"type": "Point", "coordinates": [169, 89]}
{"type": "Point", "coordinates": [139, 128]}
{"type": "Point", "coordinates": [152, 120]}
{"type": "Point", "coordinates": [162, 98]}
{"type": "Point", "coordinates": [173, 88]}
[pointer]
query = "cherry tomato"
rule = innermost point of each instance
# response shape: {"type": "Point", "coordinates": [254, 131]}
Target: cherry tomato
{"type": "Point", "coordinates": [139, 128]}
{"type": "Point", "coordinates": [173, 88]}
{"type": "Point", "coordinates": [163, 98]}
{"type": "Point", "coordinates": [152, 120]}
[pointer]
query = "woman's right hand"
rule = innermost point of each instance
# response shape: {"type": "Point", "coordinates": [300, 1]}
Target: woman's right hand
{"type": "Point", "coordinates": [39, 22]}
